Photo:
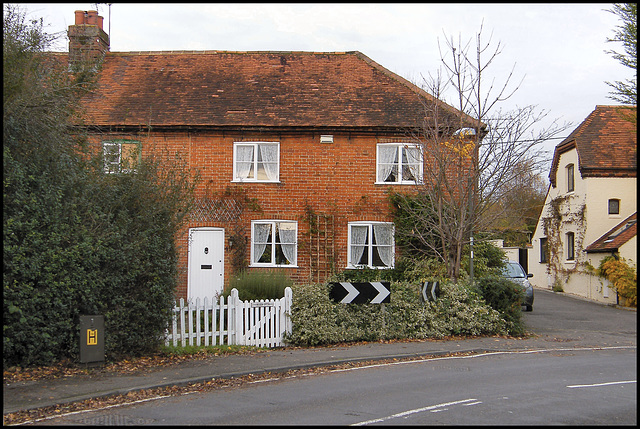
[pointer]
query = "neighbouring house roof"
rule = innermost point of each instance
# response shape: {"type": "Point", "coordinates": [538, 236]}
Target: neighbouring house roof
{"type": "Point", "coordinates": [253, 90]}
{"type": "Point", "coordinates": [606, 142]}
{"type": "Point", "coordinates": [616, 237]}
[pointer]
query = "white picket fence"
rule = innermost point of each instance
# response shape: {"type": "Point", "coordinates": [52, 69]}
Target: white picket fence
{"type": "Point", "coordinates": [249, 323]}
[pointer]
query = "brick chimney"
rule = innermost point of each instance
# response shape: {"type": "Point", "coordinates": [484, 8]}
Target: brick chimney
{"type": "Point", "coordinates": [87, 40]}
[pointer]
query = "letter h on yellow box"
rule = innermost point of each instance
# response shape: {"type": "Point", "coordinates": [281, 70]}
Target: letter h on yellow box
{"type": "Point", "coordinates": [92, 337]}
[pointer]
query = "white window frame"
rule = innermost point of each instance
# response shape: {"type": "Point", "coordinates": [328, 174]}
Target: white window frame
{"type": "Point", "coordinates": [114, 165]}
{"type": "Point", "coordinates": [369, 245]}
{"type": "Point", "coordinates": [398, 163]}
{"type": "Point", "coordinates": [255, 167]}
{"type": "Point", "coordinates": [271, 241]}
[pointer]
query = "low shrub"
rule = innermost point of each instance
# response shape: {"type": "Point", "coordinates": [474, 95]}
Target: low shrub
{"type": "Point", "coordinates": [460, 310]}
{"type": "Point", "coordinates": [506, 297]}
{"type": "Point", "coordinates": [256, 285]}
{"type": "Point", "coordinates": [623, 278]}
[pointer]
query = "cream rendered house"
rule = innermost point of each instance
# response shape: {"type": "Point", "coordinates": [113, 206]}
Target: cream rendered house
{"type": "Point", "coordinates": [590, 208]}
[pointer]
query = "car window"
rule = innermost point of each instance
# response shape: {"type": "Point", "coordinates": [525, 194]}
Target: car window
{"type": "Point", "coordinates": [513, 270]}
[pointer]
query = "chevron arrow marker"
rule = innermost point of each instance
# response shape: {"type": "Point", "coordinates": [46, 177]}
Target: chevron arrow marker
{"type": "Point", "coordinates": [352, 292]}
{"type": "Point", "coordinates": [383, 292]}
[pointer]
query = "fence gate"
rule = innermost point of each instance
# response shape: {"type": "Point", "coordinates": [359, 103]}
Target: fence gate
{"type": "Point", "coordinates": [214, 322]}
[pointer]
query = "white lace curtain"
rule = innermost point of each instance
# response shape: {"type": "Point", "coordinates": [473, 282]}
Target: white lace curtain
{"type": "Point", "coordinates": [267, 158]}
{"type": "Point", "coordinates": [244, 161]}
{"type": "Point", "coordinates": [261, 234]}
{"type": "Point", "coordinates": [384, 241]}
{"type": "Point", "coordinates": [387, 161]}
{"type": "Point", "coordinates": [358, 242]}
{"type": "Point", "coordinates": [287, 233]}
{"type": "Point", "coordinates": [411, 158]}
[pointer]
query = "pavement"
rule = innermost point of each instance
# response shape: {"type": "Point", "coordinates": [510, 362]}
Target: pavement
{"type": "Point", "coordinates": [37, 394]}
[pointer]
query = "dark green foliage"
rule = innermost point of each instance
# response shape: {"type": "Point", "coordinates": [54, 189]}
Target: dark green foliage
{"type": "Point", "coordinates": [410, 212]}
{"type": "Point", "coordinates": [488, 259]}
{"type": "Point", "coordinates": [256, 285]}
{"type": "Point", "coordinates": [77, 241]}
{"type": "Point", "coordinates": [506, 297]}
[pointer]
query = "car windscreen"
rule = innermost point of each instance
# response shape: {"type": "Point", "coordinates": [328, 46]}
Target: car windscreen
{"type": "Point", "coordinates": [513, 271]}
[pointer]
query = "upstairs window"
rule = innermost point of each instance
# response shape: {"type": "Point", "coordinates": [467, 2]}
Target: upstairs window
{"type": "Point", "coordinates": [614, 206]}
{"type": "Point", "coordinates": [398, 163]}
{"type": "Point", "coordinates": [120, 156]}
{"type": "Point", "coordinates": [274, 243]}
{"type": "Point", "coordinates": [571, 253]}
{"type": "Point", "coordinates": [256, 162]}
{"type": "Point", "coordinates": [543, 250]}
{"type": "Point", "coordinates": [570, 178]}
{"type": "Point", "coordinates": [371, 245]}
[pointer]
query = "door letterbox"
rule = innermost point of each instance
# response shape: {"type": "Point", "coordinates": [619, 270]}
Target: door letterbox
{"type": "Point", "coordinates": [91, 339]}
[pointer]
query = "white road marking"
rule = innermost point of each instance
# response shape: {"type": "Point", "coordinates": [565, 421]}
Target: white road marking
{"type": "Point", "coordinates": [601, 384]}
{"type": "Point", "coordinates": [482, 355]}
{"type": "Point", "coordinates": [409, 412]}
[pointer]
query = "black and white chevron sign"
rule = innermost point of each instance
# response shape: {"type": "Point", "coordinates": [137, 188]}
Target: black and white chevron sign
{"type": "Point", "coordinates": [360, 293]}
{"type": "Point", "coordinates": [430, 291]}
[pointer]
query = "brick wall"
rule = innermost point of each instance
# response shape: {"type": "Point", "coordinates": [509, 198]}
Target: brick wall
{"type": "Point", "coordinates": [329, 184]}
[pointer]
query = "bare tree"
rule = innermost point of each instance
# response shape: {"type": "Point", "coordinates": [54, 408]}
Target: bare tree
{"type": "Point", "coordinates": [473, 157]}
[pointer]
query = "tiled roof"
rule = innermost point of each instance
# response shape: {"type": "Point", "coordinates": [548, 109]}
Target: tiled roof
{"type": "Point", "coordinates": [606, 142]}
{"type": "Point", "coordinates": [252, 89]}
{"type": "Point", "coordinates": [620, 234]}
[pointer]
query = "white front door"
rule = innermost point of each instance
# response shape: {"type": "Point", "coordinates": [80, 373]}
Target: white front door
{"type": "Point", "coordinates": [206, 263]}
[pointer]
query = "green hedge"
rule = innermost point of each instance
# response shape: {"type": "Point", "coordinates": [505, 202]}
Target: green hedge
{"type": "Point", "coordinates": [75, 240]}
{"type": "Point", "coordinates": [112, 254]}
{"type": "Point", "coordinates": [460, 310]}
{"type": "Point", "coordinates": [506, 297]}
{"type": "Point", "coordinates": [257, 285]}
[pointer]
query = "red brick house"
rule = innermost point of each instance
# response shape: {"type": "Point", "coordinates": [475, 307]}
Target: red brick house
{"type": "Point", "coordinates": [296, 150]}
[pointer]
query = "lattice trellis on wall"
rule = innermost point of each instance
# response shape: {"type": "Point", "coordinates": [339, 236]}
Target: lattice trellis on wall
{"type": "Point", "coordinates": [220, 210]}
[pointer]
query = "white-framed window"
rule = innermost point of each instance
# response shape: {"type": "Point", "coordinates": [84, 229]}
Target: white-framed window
{"type": "Point", "coordinates": [256, 161]}
{"type": "Point", "coordinates": [371, 244]}
{"type": "Point", "coordinates": [274, 243]}
{"type": "Point", "coordinates": [399, 163]}
{"type": "Point", "coordinates": [120, 156]}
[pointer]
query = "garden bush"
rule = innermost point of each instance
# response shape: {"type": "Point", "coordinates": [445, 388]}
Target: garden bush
{"type": "Point", "coordinates": [623, 278]}
{"type": "Point", "coordinates": [76, 240]}
{"type": "Point", "coordinates": [506, 297]}
{"type": "Point", "coordinates": [460, 310]}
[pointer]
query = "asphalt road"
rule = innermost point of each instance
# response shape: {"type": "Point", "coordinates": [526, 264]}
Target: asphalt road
{"type": "Point", "coordinates": [589, 377]}
{"type": "Point", "coordinates": [570, 319]}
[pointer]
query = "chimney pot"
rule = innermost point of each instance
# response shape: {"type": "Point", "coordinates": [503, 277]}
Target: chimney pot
{"type": "Point", "coordinates": [87, 39]}
{"type": "Point", "coordinates": [92, 17]}
{"type": "Point", "coordinates": [79, 17]}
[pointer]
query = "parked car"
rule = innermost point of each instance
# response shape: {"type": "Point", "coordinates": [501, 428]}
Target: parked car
{"type": "Point", "coordinates": [514, 272]}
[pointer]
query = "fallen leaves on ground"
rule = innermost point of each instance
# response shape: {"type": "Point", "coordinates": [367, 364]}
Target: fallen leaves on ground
{"type": "Point", "coordinates": [125, 366]}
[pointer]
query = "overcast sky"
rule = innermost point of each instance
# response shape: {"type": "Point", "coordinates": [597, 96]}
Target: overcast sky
{"type": "Point", "coordinates": [559, 49]}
